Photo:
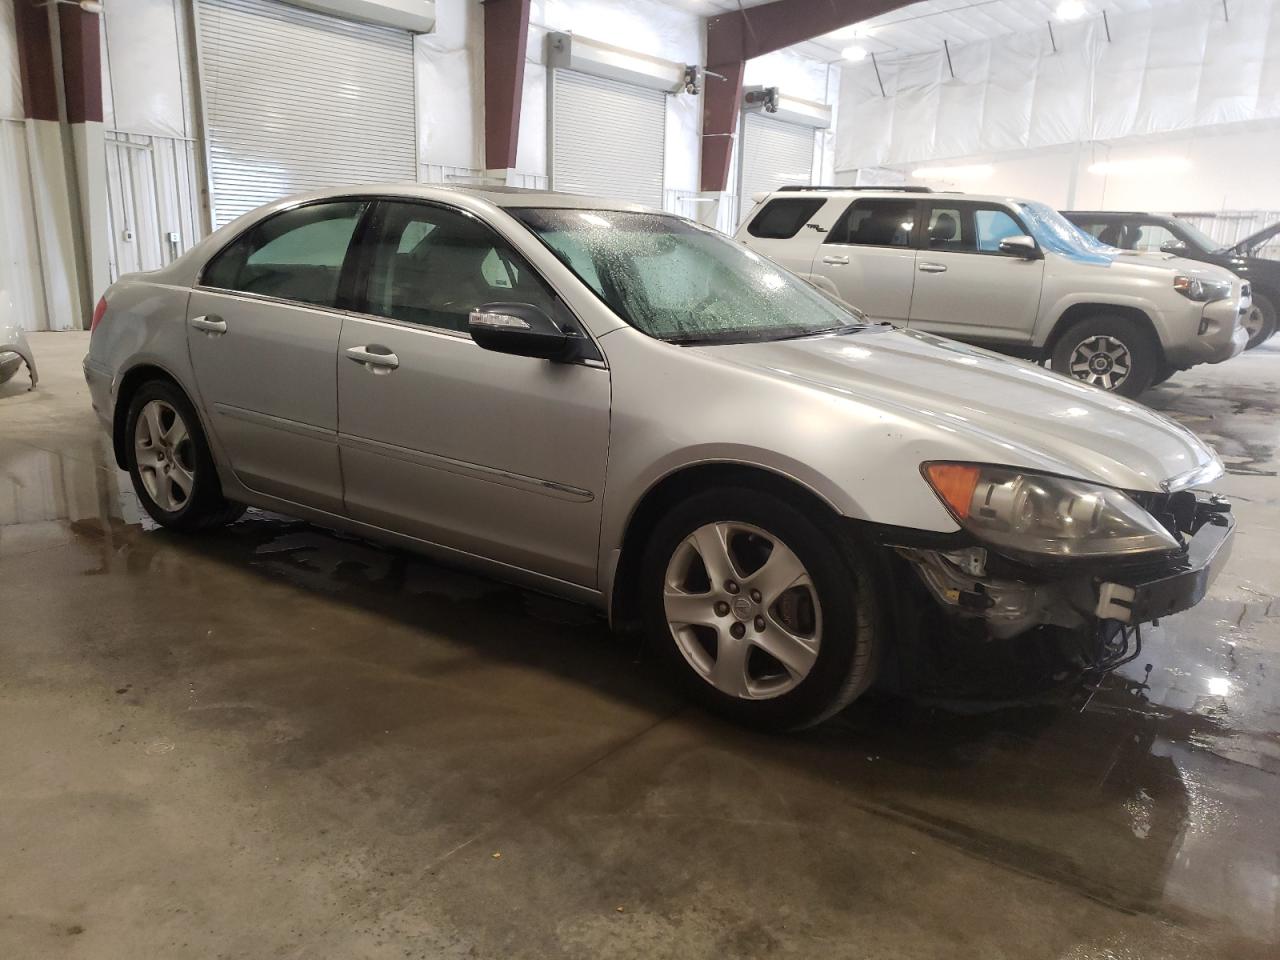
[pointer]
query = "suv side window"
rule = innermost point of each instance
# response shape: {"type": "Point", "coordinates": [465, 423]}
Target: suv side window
{"type": "Point", "coordinates": [970, 228]}
{"type": "Point", "coordinates": [991, 225]}
{"type": "Point", "coordinates": [1149, 237]}
{"type": "Point", "coordinates": [295, 255]}
{"type": "Point", "coordinates": [949, 229]}
{"type": "Point", "coordinates": [432, 266]}
{"type": "Point", "coordinates": [782, 217]}
{"type": "Point", "coordinates": [876, 223]}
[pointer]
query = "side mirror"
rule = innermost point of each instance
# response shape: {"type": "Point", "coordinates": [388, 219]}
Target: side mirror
{"type": "Point", "coordinates": [1020, 246]}
{"type": "Point", "coordinates": [1173, 246]}
{"type": "Point", "coordinates": [521, 329]}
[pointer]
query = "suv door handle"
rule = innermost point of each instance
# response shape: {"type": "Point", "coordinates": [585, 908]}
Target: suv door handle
{"type": "Point", "coordinates": [375, 357]}
{"type": "Point", "coordinates": [834, 260]}
{"type": "Point", "coordinates": [927, 267]}
{"type": "Point", "coordinates": [213, 326]}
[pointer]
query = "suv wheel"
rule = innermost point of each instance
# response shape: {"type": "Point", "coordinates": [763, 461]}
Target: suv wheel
{"type": "Point", "coordinates": [169, 461]}
{"type": "Point", "coordinates": [759, 612]}
{"type": "Point", "coordinates": [1108, 351]}
{"type": "Point", "coordinates": [1260, 321]}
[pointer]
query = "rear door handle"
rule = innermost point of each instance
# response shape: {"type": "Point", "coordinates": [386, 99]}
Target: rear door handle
{"type": "Point", "coordinates": [375, 357]}
{"type": "Point", "coordinates": [211, 325]}
{"type": "Point", "coordinates": [835, 261]}
{"type": "Point", "coordinates": [932, 267]}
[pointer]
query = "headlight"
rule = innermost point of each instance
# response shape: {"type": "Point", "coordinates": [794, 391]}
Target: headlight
{"type": "Point", "coordinates": [1029, 513]}
{"type": "Point", "coordinates": [1202, 291]}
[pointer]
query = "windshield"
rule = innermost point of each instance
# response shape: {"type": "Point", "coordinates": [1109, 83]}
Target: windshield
{"type": "Point", "coordinates": [1055, 232]}
{"type": "Point", "coordinates": [676, 281]}
{"type": "Point", "coordinates": [1200, 238]}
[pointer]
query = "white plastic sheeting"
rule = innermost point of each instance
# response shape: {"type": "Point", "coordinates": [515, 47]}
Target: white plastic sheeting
{"type": "Point", "coordinates": [449, 77]}
{"type": "Point", "coordinates": [1169, 68]}
{"type": "Point", "coordinates": [20, 274]}
{"type": "Point", "coordinates": [143, 64]}
{"type": "Point", "coordinates": [152, 200]}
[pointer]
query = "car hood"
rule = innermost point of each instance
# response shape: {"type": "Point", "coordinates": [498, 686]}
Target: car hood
{"type": "Point", "coordinates": [996, 410]}
{"type": "Point", "coordinates": [1171, 263]}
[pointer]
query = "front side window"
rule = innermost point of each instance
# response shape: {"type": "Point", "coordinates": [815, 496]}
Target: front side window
{"type": "Point", "coordinates": [294, 255]}
{"type": "Point", "coordinates": [991, 225]}
{"type": "Point", "coordinates": [433, 266]}
{"type": "Point", "coordinates": [1150, 237]}
{"type": "Point", "coordinates": [680, 282]}
{"type": "Point", "coordinates": [782, 217]}
{"type": "Point", "coordinates": [876, 223]}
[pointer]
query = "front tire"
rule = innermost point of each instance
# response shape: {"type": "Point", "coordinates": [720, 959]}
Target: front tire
{"type": "Point", "coordinates": [1260, 321]}
{"type": "Point", "coordinates": [169, 461]}
{"type": "Point", "coordinates": [760, 613]}
{"type": "Point", "coordinates": [1108, 351]}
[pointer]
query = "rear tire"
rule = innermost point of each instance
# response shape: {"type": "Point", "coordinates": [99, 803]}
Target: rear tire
{"type": "Point", "coordinates": [826, 623]}
{"type": "Point", "coordinates": [169, 461]}
{"type": "Point", "coordinates": [1262, 320]}
{"type": "Point", "coordinates": [1108, 351]}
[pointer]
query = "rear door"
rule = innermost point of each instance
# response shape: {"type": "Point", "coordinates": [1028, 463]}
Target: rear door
{"type": "Point", "coordinates": [262, 329]}
{"type": "Point", "coordinates": [496, 455]}
{"type": "Point", "coordinates": [787, 229]}
{"type": "Point", "coordinates": [869, 257]}
{"type": "Point", "coordinates": [965, 286]}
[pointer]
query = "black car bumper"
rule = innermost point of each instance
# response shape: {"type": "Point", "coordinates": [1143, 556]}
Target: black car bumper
{"type": "Point", "coordinates": [1139, 600]}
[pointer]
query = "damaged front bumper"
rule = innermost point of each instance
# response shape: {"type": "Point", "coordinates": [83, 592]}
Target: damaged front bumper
{"type": "Point", "coordinates": [978, 587]}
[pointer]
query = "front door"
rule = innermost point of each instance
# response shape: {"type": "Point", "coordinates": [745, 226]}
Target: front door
{"type": "Point", "coordinates": [496, 455]}
{"type": "Point", "coordinates": [262, 330]}
{"type": "Point", "coordinates": [965, 286]}
{"type": "Point", "coordinates": [868, 256]}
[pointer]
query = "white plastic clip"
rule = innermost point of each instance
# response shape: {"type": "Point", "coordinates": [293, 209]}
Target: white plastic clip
{"type": "Point", "coordinates": [1115, 602]}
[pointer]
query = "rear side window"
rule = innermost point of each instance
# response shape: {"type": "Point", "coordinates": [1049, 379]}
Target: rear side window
{"type": "Point", "coordinates": [782, 218]}
{"type": "Point", "coordinates": [876, 223]}
{"type": "Point", "coordinates": [295, 255]}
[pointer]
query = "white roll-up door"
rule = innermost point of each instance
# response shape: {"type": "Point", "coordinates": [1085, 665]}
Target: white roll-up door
{"type": "Point", "coordinates": [774, 154]}
{"type": "Point", "coordinates": [295, 100]}
{"type": "Point", "coordinates": [607, 138]}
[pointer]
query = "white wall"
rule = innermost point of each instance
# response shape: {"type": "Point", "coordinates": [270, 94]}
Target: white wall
{"type": "Point", "coordinates": [1226, 168]}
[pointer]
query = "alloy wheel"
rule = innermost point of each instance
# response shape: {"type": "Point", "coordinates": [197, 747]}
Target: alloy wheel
{"type": "Point", "coordinates": [1254, 321]}
{"type": "Point", "coordinates": [743, 610]}
{"type": "Point", "coordinates": [1101, 360]}
{"type": "Point", "coordinates": [165, 455]}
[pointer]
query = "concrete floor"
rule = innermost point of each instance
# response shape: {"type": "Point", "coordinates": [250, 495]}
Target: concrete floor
{"type": "Point", "coordinates": [278, 742]}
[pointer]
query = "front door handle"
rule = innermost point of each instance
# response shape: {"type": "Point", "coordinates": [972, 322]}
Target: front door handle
{"type": "Point", "coordinates": [932, 267]}
{"type": "Point", "coordinates": [835, 261]}
{"type": "Point", "coordinates": [375, 357]}
{"type": "Point", "coordinates": [211, 325]}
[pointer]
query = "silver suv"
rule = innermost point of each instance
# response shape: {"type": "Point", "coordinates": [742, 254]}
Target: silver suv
{"type": "Point", "coordinates": [1011, 275]}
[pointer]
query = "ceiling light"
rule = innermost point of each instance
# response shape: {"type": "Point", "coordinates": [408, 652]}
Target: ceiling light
{"type": "Point", "coordinates": [1140, 166]}
{"type": "Point", "coordinates": [854, 53]}
{"type": "Point", "coordinates": [977, 171]}
{"type": "Point", "coordinates": [1070, 10]}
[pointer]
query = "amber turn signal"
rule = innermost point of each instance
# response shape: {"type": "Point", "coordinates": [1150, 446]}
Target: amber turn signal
{"type": "Point", "coordinates": [954, 483]}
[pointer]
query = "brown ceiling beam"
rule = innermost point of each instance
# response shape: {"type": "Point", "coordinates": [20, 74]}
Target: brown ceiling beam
{"type": "Point", "coordinates": [734, 38]}
{"type": "Point", "coordinates": [506, 34]}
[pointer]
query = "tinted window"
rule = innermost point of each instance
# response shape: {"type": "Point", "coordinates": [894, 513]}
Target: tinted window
{"type": "Point", "coordinates": [295, 255]}
{"type": "Point", "coordinates": [782, 219]}
{"type": "Point", "coordinates": [1149, 237]}
{"type": "Point", "coordinates": [876, 223]}
{"type": "Point", "coordinates": [433, 266]}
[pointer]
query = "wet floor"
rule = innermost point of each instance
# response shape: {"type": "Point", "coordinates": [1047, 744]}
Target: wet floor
{"type": "Point", "coordinates": [277, 741]}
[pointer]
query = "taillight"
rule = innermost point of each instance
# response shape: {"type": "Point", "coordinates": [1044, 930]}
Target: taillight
{"type": "Point", "coordinates": [98, 311]}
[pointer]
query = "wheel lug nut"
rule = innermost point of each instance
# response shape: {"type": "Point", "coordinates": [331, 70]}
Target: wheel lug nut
{"type": "Point", "coordinates": [738, 631]}
{"type": "Point", "coordinates": [731, 586]}
{"type": "Point", "coordinates": [755, 596]}
{"type": "Point", "coordinates": [759, 624]}
{"type": "Point", "coordinates": [722, 608]}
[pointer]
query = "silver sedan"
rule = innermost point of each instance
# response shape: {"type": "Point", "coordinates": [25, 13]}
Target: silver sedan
{"type": "Point", "coordinates": [621, 407]}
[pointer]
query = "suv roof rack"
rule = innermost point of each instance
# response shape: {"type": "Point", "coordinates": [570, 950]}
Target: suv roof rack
{"type": "Point", "coordinates": [795, 188]}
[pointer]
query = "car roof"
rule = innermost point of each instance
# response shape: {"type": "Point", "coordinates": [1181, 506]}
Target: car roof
{"type": "Point", "coordinates": [500, 195]}
{"type": "Point", "coordinates": [882, 193]}
{"type": "Point", "coordinates": [1114, 214]}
